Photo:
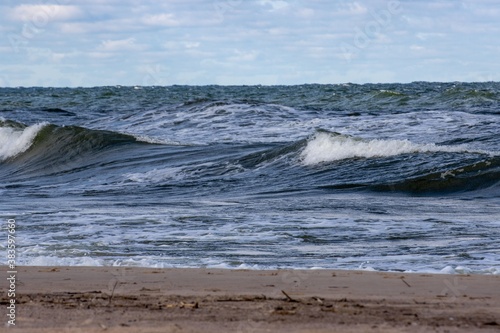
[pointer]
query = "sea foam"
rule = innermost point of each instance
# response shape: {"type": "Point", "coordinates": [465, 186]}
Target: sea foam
{"type": "Point", "coordinates": [14, 141]}
{"type": "Point", "coordinates": [328, 147]}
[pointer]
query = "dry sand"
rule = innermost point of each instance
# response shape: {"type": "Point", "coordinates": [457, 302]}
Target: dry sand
{"type": "Point", "coordinates": [120, 299]}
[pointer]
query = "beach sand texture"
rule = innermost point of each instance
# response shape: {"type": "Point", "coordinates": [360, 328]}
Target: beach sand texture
{"type": "Point", "coordinates": [126, 299]}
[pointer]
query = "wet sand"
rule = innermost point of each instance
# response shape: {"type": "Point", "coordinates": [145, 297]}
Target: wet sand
{"type": "Point", "coordinates": [124, 299]}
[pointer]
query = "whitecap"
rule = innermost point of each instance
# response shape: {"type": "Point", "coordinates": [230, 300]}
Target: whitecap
{"type": "Point", "coordinates": [14, 141]}
{"type": "Point", "coordinates": [328, 147]}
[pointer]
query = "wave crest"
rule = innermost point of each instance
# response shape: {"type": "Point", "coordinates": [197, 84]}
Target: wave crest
{"type": "Point", "coordinates": [16, 140]}
{"type": "Point", "coordinates": [326, 147]}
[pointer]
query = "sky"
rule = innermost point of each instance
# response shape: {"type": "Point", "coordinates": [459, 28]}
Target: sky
{"type": "Point", "coordinates": [68, 43]}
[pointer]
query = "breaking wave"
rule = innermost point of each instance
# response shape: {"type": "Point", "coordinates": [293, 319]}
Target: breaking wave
{"type": "Point", "coordinates": [16, 140]}
{"type": "Point", "coordinates": [327, 147]}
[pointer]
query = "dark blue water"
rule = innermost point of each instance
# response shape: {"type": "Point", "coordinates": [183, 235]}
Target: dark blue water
{"type": "Point", "coordinates": [378, 176]}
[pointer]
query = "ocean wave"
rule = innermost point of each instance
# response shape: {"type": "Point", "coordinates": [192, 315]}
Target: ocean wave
{"type": "Point", "coordinates": [196, 176]}
{"type": "Point", "coordinates": [158, 262]}
{"type": "Point", "coordinates": [156, 141]}
{"type": "Point", "coordinates": [326, 147]}
{"type": "Point", "coordinates": [16, 139]}
{"type": "Point", "coordinates": [473, 177]}
{"type": "Point", "coordinates": [50, 148]}
{"type": "Point", "coordinates": [156, 175]}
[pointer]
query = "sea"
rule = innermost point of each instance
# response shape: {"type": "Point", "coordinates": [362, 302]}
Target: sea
{"type": "Point", "coordinates": [384, 177]}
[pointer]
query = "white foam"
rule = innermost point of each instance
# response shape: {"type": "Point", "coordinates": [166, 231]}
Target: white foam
{"type": "Point", "coordinates": [156, 175]}
{"type": "Point", "coordinates": [14, 141]}
{"type": "Point", "coordinates": [56, 261]}
{"type": "Point", "coordinates": [158, 141]}
{"type": "Point", "coordinates": [328, 147]}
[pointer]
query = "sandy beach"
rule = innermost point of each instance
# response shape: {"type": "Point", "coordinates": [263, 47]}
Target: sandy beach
{"type": "Point", "coordinates": [125, 299]}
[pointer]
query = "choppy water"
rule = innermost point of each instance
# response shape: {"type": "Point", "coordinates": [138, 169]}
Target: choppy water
{"type": "Point", "coordinates": [378, 176]}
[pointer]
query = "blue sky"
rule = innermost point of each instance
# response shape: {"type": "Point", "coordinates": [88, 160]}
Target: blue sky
{"type": "Point", "coordinates": [226, 42]}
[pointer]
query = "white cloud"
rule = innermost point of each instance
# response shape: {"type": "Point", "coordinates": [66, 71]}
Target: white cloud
{"type": "Point", "coordinates": [417, 48]}
{"type": "Point", "coordinates": [306, 13]}
{"type": "Point", "coordinates": [274, 4]}
{"type": "Point", "coordinates": [181, 46]}
{"type": "Point", "coordinates": [425, 36]}
{"type": "Point", "coordinates": [165, 19]}
{"type": "Point", "coordinates": [352, 8]}
{"type": "Point", "coordinates": [191, 45]}
{"type": "Point", "coordinates": [120, 45]}
{"type": "Point", "coordinates": [42, 14]}
{"type": "Point", "coordinates": [243, 56]}
{"type": "Point", "coordinates": [99, 55]}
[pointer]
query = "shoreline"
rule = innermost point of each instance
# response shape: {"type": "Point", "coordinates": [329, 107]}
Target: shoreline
{"type": "Point", "coordinates": [133, 299]}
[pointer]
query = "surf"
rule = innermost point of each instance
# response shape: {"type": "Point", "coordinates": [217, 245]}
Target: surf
{"type": "Point", "coordinates": [15, 140]}
{"type": "Point", "coordinates": [325, 146]}
{"type": "Point", "coordinates": [48, 149]}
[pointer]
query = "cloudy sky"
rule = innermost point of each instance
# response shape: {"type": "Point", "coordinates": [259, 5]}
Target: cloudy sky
{"type": "Point", "coordinates": [226, 42]}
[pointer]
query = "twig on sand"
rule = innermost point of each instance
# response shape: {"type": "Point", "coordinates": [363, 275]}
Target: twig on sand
{"type": "Point", "coordinates": [403, 279]}
{"type": "Point", "coordinates": [288, 297]}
